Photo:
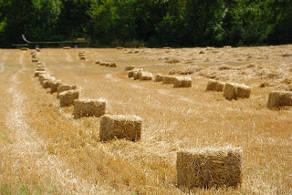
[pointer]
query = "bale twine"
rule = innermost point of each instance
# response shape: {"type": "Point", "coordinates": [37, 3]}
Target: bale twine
{"type": "Point", "coordinates": [168, 79]}
{"type": "Point", "coordinates": [37, 73]}
{"type": "Point", "coordinates": [128, 68]}
{"type": "Point", "coordinates": [89, 107]}
{"type": "Point", "coordinates": [279, 98]}
{"type": "Point", "coordinates": [235, 91]}
{"type": "Point", "coordinates": [120, 126]}
{"type": "Point", "coordinates": [64, 87]}
{"type": "Point", "coordinates": [145, 76]}
{"type": "Point", "coordinates": [214, 85]}
{"type": "Point", "coordinates": [158, 78]}
{"type": "Point", "coordinates": [209, 167]}
{"type": "Point", "coordinates": [67, 97]}
{"type": "Point", "coordinates": [182, 82]}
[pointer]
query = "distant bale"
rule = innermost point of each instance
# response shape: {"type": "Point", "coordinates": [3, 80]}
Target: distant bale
{"type": "Point", "coordinates": [24, 48]}
{"type": "Point", "coordinates": [158, 78]}
{"type": "Point", "coordinates": [113, 65]}
{"type": "Point", "coordinates": [40, 68]}
{"type": "Point", "coordinates": [235, 91]}
{"type": "Point", "coordinates": [120, 126]}
{"type": "Point", "coordinates": [145, 76]}
{"type": "Point", "coordinates": [133, 72]}
{"type": "Point", "coordinates": [137, 73]}
{"type": "Point", "coordinates": [64, 87]}
{"type": "Point", "coordinates": [279, 98]}
{"type": "Point", "coordinates": [67, 47]}
{"type": "Point", "coordinates": [90, 107]}
{"type": "Point", "coordinates": [82, 58]}
{"type": "Point", "coordinates": [210, 167]}
{"type": "Point", "coordinates": [67, 97]}
{"type": "Point", "coordinates": [54, 85]}
{"type": "Point", "coordinates": [214, 85]}
{"type": "Point", "coordinates": [128, 68]}
{"type": "Point", "coordinates": [48, 82]}
{"type": "Point", "coordinates": [97, 62]}
{"type": "Point", "coordinates": [37, 73]}
{"type": "Point", "coordinates": [38, 49]}
{"type": "Point", "coordinates": [182, 82]}
{"type": "Point", "coordinates": [34, 60]}
{"type": "Point", "coordinates": [168, 79]}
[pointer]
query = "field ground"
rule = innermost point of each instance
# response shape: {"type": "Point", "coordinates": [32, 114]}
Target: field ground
{"type": "Point", "coordinates": [43, 150]}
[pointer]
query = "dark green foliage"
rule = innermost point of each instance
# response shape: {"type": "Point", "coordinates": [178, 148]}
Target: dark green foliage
{"type": "Point", "coordinates": [151, 22]}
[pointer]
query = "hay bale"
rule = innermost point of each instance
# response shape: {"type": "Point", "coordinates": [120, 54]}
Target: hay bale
{"type": "Point", "coordinates": [133, 72]}
{"type": "Point", "coordinates": [145, 76]}
{"type": "Point", "coordinates": [34, 60]}
{"type": "Point", "coordinates": [182, 82]}
{"type": "Point", "coordinates": [24, 48]}
{"type": "Point", "coordinates": [67, 97]}
{"type": "Point", "coordinates": [90, 107]}
{"type": "Point", "coordinates": [130, 74]}
{"type": "Point", "coordinates": [82, 58]}
{"type": "Point", "coordinates": [128, 68]}
{"type": "Point", "coordinates": [64, 87]}
{"type": "Point", "coordinates": [97, 62]}
{"type": "Point", "coordinates": [137, 74]}
{"type": "Point", "coordinates": [210, 167]}
{"type": "Point", "coordinates": [54, 85]}
{"type": "Point", "coordinates": [120, 126]}
{"type": "Point", "coordinates": [214, 85]}
{"type": "Point", "coordinates": [158, 78]}
{"type": "Point", "coordinates": [67, 47]}
{"type": "Point", "coordinates": [40, 68]}
{"type": "Point", "coordinates": [279, 98]}
{"type": "Point", "coordinates": [168, 79]}
{"type": "Point", "coordinates": [234, 91]}
{"type": "Point", "coordinates": [113, 65]}
{"type": "Point", "coordinates": [37, 73]}
{"type": "Point", "coordinates": [47, 82]}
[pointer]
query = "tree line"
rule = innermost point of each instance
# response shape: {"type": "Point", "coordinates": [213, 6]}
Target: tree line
{"type": "Point", "coordinates": [152, 23]}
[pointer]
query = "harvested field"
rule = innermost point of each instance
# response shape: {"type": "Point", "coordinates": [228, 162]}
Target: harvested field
{"type": "Point", "coordinates": [44, 149]}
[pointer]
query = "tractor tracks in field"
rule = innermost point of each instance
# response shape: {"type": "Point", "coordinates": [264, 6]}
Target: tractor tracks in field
{"type": "Point", "coordinates": [32, 149]}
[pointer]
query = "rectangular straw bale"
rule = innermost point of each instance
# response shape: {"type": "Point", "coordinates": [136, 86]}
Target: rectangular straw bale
{"type": "Point", "coordinates": [47, 82]}
{"type": "Point", "coordinates": [67, 97]}
{"type": "Point", "coordinates": [209, 167]}
{"type": "Point", "coordinates": [90, 107]}
{"type": "Point", "coordinates": [145, 76]}
{"type": "Point", "coordinates": [37, 73]}
{"type": "Point", "coordinates": [113, 65]}
{"type": "Point", "coordinates": [137, 74]}
{"type": "Point", "coordinates": [128, 68]}
{"type": "Point", "coordinates": [183, 82]}
{"type": "Point", "coordinates": [64, 87]}
{"type": "Point", "coordinates": [54, 85]}
{"type": "Point", "coordinates": [279, 98]}
{"type": "Point", "coordinates": [34, 60]}
{"type": "Point", "coordinates": [158, 78]}
{"type": "Point", "coordinates": [214, 85]}
{"type": "Point", "coordinates": [82, 58]}
{"type": "Point", "coordinates": [120, 126]}
{"type": "Point", "coordinates": [168, 79]}
{"type": "Point", "coordinates": [235, 91]}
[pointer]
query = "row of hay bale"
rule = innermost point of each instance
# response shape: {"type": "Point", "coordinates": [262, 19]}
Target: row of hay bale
{"type": "Point", "coordinates": [232, 91]}
{"type": "Point", "coordinates": [34, 56]}
{"type": "Point", "coordinates": [177, 81]}
{"type": "Point", "coordinates": [82, 55]}
{"type": "Point", "coordinates": [107, 64]}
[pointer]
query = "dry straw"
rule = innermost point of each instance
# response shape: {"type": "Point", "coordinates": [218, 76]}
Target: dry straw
{"type": "Point", "coordinates": [214, 85]}
{"type": "Point", "coordinates": [168, 79]}
{"type": "Point", "coordinates": [279, 98]}
{"type": "Point", "coordinates": [235, 91]}
{"type": "Point", "coordinates": [209, 167]}
{"type": "Point", "coordinates": [182, 82]}
{"type": "Point", "coordinates": [67, 98]}
{"type": "Point", "coordinates": [158, 78]}
{"type": "Point", "coordinates": [37, 73]}
{"type": "Point", "coordinates": [54, 85]}
{"type": "Point", "coordinates": [64, 87]}
{"type": "Point", "coordinates": [145, 76]}
{"type": "Point", "coordinates": [120, 126]}
{"type": "Point", "coordinates": [89, 107]}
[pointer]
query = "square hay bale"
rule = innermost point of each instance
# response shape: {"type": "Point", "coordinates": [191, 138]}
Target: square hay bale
{"type": "Point", "coordinates": [24, 48]}
{"type": "Point", "coordinates": [209, 167]}
{"type": "Point", "coordinates": [34, 60]}
{"type": "Point", "coordinates": [168, 79]}
{"type": "Point", "coordinates": [67, 47]}
{"type": "Point", "coordinates": [40, 68]}
{"type": "Point", "coordinates": [37, 73]}
{"type": "Point", "coordinates": [145, 76]}
{"type": "Point", "coordinates": [64, 87]}
{"type": "Point", "coordinates": [82, 58]}
{"type": "Point", "coordinates": [214, 85]}
{"type": "Point", "coordinates": [90, 107]}
{"type": "Point", "coordinates": [43, 77]}
{"type": "Point", "coordinates": [120, 126]}
{"type": "Point", "coordinates": [183, 82]}
{"type": "Point", "coordinates": [67, 97]}
{"type": "Point", "coordinates": [279, 98]}
{"type": "Point", "coordinates": [113, 65]}
{"type": "Point", "coordinates": [97, 62]}
{"type": "Point", "coordinates": [54, 85]}
{"type": "Point", "coordinates": [137, 74]}
{"type": "Point", "coordinates": [128, 68]}
{"type": "Point", "coordinates": [235, 91]}
{"type": "Point", "coordinates": [158, 78]}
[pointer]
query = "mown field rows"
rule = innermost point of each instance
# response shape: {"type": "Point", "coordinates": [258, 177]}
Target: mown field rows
{"type": "Point", "coordinates": [43, 149]}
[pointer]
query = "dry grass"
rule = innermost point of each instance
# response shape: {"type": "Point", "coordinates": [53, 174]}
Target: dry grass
{"type": "Point", "coordinates": [44, 149]}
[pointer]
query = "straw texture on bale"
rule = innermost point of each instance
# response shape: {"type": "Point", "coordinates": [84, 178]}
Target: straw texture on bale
{"type": "Point", "coordinates": [120, 126]}
{"type": "Point", "coordinates": [67, 97]}
{"type": "Point", "coordinates": [214, 85]}
{"type": "Point", "coordinates": [91, 107]}
{"type": "Point", "coordinates": [158, 78]}
{"type": "Point", "coordinates": [210, 167]}
{"type": "Point", "coordinates": [168, 79]}
{"type": "Point", "coordinates": [37, 73]}
{"type": "Point", "coordinates": [144, 76]}
{"type": "Point", "coordinates": [235, 91]}
{"type": "Point", "coordinates": [182, 82]}
{"type": "Point", "coordinates": [279, 98]}
{"type": "Point", "coordinates": [64, 87]}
